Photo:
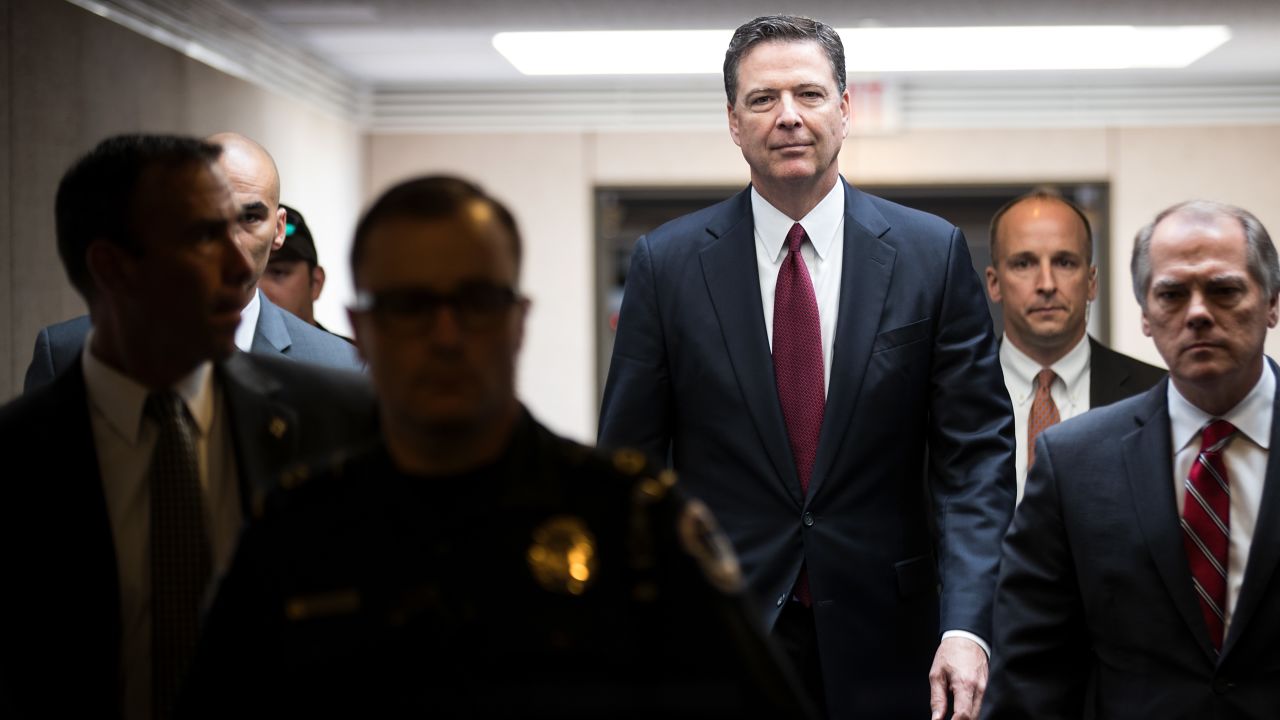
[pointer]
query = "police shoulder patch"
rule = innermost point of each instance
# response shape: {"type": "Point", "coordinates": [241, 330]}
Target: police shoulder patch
{"type": "Point", "coordinates": [701, 537]}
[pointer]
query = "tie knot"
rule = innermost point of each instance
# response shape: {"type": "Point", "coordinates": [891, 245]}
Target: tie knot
{"type": "Point", "coordinates": [795, 238]}
{"type": "Point", "coordinates": [1216, 435]}
{"type": "Point", "coordinates": [164, 406]}
{"type": "Point", "coordinates": [1045, 378]}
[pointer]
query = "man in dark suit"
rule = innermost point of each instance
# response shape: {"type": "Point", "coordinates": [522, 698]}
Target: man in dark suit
{"type": "Point", "coordinates": [797, 351]}
{"type": "Point", "coordinates": [1042, 274]}
{"type": "Point", "coordinates": [1138, 577]}
{"type": "Point", "coordinates": [131, 473]}
{"type": "Point", "coordinates": [260, 227]}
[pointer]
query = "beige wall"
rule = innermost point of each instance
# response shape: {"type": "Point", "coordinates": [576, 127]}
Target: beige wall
{"type": "Point", "coordinates": [79, 78]}
{"type": "Point", "coordinates": [549, 178]}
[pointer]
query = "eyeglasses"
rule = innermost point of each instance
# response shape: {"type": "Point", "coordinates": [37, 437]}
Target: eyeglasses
{"type": "Point", "coordinates": [475, 306]}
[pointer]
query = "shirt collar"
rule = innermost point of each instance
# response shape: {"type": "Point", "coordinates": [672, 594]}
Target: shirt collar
{"type": "Point", "coordinates": [120, 399]}
{"type": "Point", "coordinates": [1069, 368]}
{"type": "Point", "coordinates": [1251, 416]}
{"type": "Point", "coordinates": [248, 322]}
{"type": "Point", "coordinates": [821, 224]}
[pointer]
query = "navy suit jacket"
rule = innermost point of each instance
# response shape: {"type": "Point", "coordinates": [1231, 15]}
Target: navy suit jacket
{"type": "Point", "coordinates": [60, 613]}
{"type": "Point", "coordinates": [279, 332]}
{"type": "Point", "coordinates": [913, 484]}
{"type": "Point", "coordinates": [1114, 377]}
{"type": "Point", "coordinates": [1095, 611]}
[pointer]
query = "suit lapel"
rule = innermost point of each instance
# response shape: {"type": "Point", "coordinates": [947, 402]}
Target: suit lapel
{"type": "Point", "coordinates": [263, 430]}
{"type": "Point", "coordinates": [1148, 459]}
{"type": "Point", "coordinates": [270, 337]}
{"type": "Point", "coordinates": [90, 563]}
{"type": "Point", "coordinates": [1265, 546]}
{"type": "Point", "coordinates": [732, 278]}
{"type": "Point", "coordinates": [864, 285]}
{"type": "Point", "coordinates": [1105, 377]}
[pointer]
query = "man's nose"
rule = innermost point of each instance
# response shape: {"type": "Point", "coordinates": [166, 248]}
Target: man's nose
{"type": "Point", "coordinates": [788, 116]}
{"type": "Point", "coordinates": [1198, 314]}
{"type": "Point", "coordinates": [1045, 281]}
{"type": "Point", "coordinates": [236, 262]}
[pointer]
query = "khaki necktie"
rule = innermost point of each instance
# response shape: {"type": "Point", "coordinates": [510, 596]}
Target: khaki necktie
{"type": "Point", "coordinates": [1044, 413]}
{"type": "Point", "coordinates": [180, 553]}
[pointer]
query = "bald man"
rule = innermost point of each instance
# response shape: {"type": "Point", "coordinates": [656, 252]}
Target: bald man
{"type": "Point", "coordinates": [264, 327]}
{"type": "Point", "coordinates": [1042, 274]}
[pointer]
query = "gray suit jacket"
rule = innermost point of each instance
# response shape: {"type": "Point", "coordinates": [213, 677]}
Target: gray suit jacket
{"type": "Point", "coordinates": [279, 332]}
{"type": "Point", "coordinates": [60, 618]}
{"type": "Point", "coordinates": [1095, 612]}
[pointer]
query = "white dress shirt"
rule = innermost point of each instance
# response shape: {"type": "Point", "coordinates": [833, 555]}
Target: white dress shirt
{"type": "Point", "coordinates": [823, 256]}
{"type": "Point", "coordinates": [1246, 460]}
{"type": "Point", "coordinates": [248, 322]}
{"type": "Point", "coordinates": [125, 439]}
{"type": "Point", "coordinates": [1070, 391]}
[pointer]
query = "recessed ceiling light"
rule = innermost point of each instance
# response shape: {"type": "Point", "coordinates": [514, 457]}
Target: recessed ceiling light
{"type": "Point", "coordinates": [873, 49]}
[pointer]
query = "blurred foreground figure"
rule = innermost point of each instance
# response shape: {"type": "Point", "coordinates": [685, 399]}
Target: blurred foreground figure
{"type": "Point", "coordinates": [473, 563]}
{"type": "Point", "coordinates": [128, 477]}
{"type": "Point", "coordinates": [259, 225]}
{"type": "Point", "coordinates": [1138, 577]}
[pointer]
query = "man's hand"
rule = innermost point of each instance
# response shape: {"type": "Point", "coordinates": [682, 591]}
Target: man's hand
{"type": "Point", "coordinates": [960, 670]}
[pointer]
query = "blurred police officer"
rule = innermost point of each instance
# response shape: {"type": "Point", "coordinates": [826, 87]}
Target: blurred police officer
{"type": "Point", "coordinates": [473, 563]}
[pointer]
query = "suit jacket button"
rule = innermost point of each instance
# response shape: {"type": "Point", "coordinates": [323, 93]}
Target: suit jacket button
{"type": "Point", "coordinates": [782, 599]}
{"type": "Point", "coordinates": [807, 519]}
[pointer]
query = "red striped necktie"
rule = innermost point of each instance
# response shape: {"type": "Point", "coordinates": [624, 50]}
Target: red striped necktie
{"type": "Point", "coordinates": [1206, 526]}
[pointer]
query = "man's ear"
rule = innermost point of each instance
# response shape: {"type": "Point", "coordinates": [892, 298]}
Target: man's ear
{"type": "Point", "coordinates": [733, 126]}
{"type": "Point", "coordinates": [993, 285]}
{"type": "Point", "coordinates": [282, 222]}
{"type": "Point", "coordinates": [317, 282]}
{"type": "Point", "coordinates": [109, 266]}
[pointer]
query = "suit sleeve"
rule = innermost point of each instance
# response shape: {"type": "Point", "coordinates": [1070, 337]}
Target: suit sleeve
{"type": "Point", "coordinates": [971, 468]}
{"type": "Point", "coordinates": [41, 371]}
{"type": "Point", "coordinates": [1041, 654]}
{"type": "Point", "coordinates": [636, 411]}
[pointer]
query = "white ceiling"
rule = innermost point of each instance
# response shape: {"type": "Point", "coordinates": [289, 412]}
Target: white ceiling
{"type": "Point", "coordinates": [430, 66]}
{"type": "Point", "coordinates": [448, 42]}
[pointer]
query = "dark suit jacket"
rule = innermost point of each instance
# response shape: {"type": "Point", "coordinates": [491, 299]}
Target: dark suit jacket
{"type": "Point", "coordinates": [279, 332]}
{"type": "Point", "coordinates": [1095, 597]}
{"type": "Point", "coordinates": [60, 612]}
{"type": "Point", "coordinates": [1114, 377]}
{"type": "Point", "coordinates": [915, 367]}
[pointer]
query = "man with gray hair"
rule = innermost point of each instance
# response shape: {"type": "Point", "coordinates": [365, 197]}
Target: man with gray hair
{"type": "Point", "coordinates": [819, 366]}
{"type": "Point", "coordinates": [1137, 576]}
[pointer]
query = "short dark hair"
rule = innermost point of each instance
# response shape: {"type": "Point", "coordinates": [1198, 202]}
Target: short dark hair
{"type": "Point", "coordinates": [785, 28]}
{"type": "Point", "coordinates": [1260, 252]}
{"type": "Point", "coordinates": [95, 198]}
{"type": "Point", "coordinates": [1044, 194]}
{"type": "Point", "coordinates": [433, 197]}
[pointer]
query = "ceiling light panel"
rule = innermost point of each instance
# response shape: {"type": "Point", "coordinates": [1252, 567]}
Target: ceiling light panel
{"type": "Point", "coordinates": [873, 50]}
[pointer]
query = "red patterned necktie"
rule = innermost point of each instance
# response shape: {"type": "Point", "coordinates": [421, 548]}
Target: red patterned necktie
{"type": "Point", "coordinates": [797, 366]}
{"type": "Point", "coordinates": [1044, 413]}
{"type": "Point", "coordinates": [1206, 523]}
